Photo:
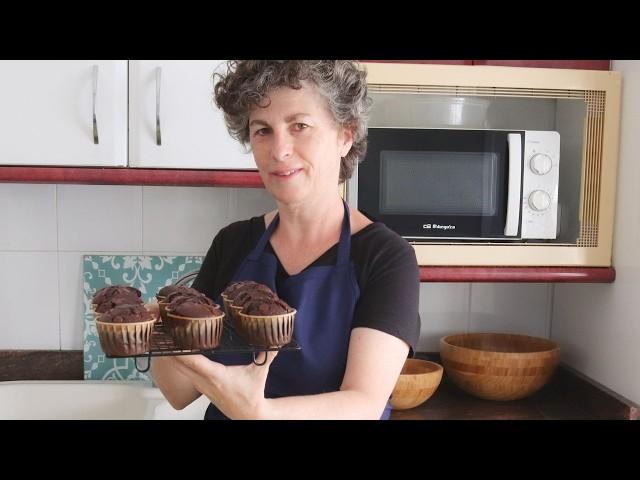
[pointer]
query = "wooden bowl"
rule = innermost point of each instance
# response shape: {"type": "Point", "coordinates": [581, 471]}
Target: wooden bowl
{"type": "Point", "coordinates": [418, 380]}
{"type": "Point", "coordinates": [499, 366]}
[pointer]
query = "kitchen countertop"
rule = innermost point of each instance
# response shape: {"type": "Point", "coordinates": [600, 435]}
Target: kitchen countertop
{"type": "Point", "coordinates": [567, 396]}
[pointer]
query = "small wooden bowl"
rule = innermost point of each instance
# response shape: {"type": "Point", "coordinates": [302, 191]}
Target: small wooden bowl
{"type": "Point", "coordinates": [499, 366]}
{"type": "Point", "coordinates": [418, 380]}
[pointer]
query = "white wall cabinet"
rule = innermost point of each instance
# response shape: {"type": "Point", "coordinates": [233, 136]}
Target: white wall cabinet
{"type": "Point", "coordinates": [173, 120]}
{"type": "Point", "coordinates": [47, 110]}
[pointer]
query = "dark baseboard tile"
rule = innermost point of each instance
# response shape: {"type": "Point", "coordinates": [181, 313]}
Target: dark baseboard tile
{"type": "Point", "coordinates": [41, 365]}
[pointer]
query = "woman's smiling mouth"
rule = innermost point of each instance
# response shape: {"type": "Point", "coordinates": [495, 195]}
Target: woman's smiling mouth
{"type": "Point", "coordinates": [283, 174]}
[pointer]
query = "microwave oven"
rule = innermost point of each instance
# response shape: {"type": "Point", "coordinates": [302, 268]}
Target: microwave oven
{"type": "Point", "coordinates": [434, 185]}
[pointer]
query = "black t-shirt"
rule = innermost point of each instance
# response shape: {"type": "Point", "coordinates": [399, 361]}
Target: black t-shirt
{"type": "Point", "coordinates": [385, 267]}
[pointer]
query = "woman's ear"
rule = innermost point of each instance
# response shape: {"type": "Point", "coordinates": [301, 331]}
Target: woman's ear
{"type": "Point", "coordinates": [345, 140]}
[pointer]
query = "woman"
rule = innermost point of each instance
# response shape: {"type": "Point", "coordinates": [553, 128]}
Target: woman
{"type": "Point", "coordinates": [353, 282]}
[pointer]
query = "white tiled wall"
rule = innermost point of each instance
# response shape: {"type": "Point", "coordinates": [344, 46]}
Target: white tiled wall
{"type": "Point", "coordinates": [46, 229]}
{"type": "Point", "coordinates": [598, 326]}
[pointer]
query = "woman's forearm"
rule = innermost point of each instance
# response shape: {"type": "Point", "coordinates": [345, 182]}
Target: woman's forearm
{"type": "Point", "coordinates": [174, 385]}
{"type": "Point", "coordinates": [341, 405]}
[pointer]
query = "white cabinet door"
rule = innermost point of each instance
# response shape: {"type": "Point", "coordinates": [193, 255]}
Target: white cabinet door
{"type": "Point", "coordinates": [46, 112]}
{"type": "Point", "coordinates": [177, 105]}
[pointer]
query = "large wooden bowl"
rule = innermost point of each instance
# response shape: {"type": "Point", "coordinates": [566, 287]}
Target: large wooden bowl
{"type": "Point", "coordinates": [499, 366]}
{"type": "Point", "coordinates": [418, 380]}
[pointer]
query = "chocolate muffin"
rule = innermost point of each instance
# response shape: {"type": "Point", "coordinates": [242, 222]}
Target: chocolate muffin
{"type": "Point", "coordinates": [126, 314]}
{"type": "Point", "coordinates": [165, 291]}
{"type": "Point", "coordinates": [194, 325]}
{"type": "Point", "coordinates": [201, 299]}
{"type": "Point", "coordinates": [174, 292]}
{"type": "Point", "coordinates": [107, 293]}
{"type": "Point", "coordinates": [125, 330]}
{"type": "Point", "coordinates": [267, 322]}
{"type": "Point", "coordinates": [265, 306]}
{"type": "Point", "coordinates": [237, 292]}
{"type": "Point", "coordinates": [116, 301]}
{"type": "Point", "coordinates": [182, 290]}
{"type": "Point", "coordinates": [249, 286]}
{"type": "Point", "coordinates": [108, 297]}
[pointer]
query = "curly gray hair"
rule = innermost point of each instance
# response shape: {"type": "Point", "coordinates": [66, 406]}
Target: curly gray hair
{"type": "Point", "coordinates": [341, 82]}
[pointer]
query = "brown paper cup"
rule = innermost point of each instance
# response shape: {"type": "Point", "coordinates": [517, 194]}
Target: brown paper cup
{"type": "Point", "coordinates": [195, 333]}
{"type": "Point", "coordinates": [235, 316]}
{"type": "Point", "coordinates": [163, 311]}
{"type": "Point", "coordinates": [125, 339]}
{"type": "Point", "coordinates": [96, 315]}
{"type": "Point", "coordinates": [267, 331]}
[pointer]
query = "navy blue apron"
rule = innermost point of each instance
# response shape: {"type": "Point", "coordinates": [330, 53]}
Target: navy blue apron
{"type": "Point", "coordinates": [325, 297]}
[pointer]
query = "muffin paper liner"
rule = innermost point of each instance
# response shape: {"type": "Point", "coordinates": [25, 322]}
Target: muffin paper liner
{"type": "Point", "coordinates": [267, 331]}
{"type": "Point", "coordinates": [125, 339]}
{"type": "Point", "coordinates": [195, 333]}
{"type": "Point", "coordinates": [162, 305]}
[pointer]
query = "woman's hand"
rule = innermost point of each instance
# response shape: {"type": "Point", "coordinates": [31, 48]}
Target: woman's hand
{"type": "Point", "coordinates": [237, 391]}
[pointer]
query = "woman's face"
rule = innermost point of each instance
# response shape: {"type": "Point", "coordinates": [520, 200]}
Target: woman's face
{"type": "Point", "coordinates": [297, 145]}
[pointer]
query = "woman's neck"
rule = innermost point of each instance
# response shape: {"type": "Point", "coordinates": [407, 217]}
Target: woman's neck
{"type": "Point", "coordinates": [311, 220]}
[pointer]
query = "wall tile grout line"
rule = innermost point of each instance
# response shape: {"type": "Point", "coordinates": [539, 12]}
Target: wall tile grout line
{"type": "Point", "coordinates": [55, 195]}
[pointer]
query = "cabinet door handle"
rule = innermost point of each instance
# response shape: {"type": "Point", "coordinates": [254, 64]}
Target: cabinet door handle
{"type": "Point", "coordinates": [158, 78]}
{"type": "Point", "coordinates": [95, 92]}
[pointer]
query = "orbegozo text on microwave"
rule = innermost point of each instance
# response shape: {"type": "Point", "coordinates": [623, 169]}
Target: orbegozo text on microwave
{"type": "Point", "coordinates": [439, 184]}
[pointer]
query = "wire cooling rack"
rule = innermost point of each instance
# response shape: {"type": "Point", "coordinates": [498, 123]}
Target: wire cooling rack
{"type": "Point", "coordinates": [162, 344]}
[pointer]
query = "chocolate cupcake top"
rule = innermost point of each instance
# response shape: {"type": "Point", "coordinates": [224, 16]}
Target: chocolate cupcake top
{"type": "Point", "coordinates": [180, 299]}
{"type": "Point", "coordinates": [233, 286]}
{"type": "Point", "coordinates": [169, 289]}
{"type": "Point", "coordinates": [117, 301]}
{"type": "Point", "coordinates": [248, 287]}
{"type": "Point", "coordinates": [126, 314]}
{"type": "Point", "coordinates": [266, 307]}
{"type": "Point", "coordinates": [182, 290]}
{"type": "Point", "coordinates": [245, 297]}
{"type": "Point", "coordinates": [107, 293]}
{"type": "Point", "coordinates": [195, 310]}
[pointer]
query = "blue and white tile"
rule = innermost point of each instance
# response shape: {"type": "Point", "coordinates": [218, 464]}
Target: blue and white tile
{"type": "Point", "coordinates": [146, 273]}
{"type": "Point", "coordinates": [28, 217]}
{"type": "Point", "coordinates": [29, 299]}
{"type": "Point", "coordinates": [100, 218]}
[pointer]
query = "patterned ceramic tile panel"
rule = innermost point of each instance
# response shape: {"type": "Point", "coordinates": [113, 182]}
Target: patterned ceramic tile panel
{"type": "Point", "coordinates": [146, 273]}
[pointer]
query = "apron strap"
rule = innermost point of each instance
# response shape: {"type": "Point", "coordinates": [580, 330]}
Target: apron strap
{"type": "Point", "coordinates": [344, 246]}
{"type": "Point", "coordinates": [262, 243]}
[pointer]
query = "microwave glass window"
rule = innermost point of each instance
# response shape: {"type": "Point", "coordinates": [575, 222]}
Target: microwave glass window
{"type": "Point", "coordinates": [438, 182]}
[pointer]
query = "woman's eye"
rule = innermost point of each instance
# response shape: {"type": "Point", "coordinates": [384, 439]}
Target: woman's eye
{"type": "Point", "coordinates": [261, 132]}
{"type": "Point", "coordinates": [301, 126]}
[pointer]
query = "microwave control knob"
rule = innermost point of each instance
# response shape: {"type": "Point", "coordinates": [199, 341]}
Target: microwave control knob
{"type": "Point", "coordinates": [539, 200]}
{"type": "Point", "coordinates": [540, 164]}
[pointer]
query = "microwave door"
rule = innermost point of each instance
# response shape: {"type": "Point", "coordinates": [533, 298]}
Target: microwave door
{"type": "Point", "coordinates": [436, 184]}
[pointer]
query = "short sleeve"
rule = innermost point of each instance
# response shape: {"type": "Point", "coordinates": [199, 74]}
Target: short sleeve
{"type": "Point", "coordinates": [390, 289]}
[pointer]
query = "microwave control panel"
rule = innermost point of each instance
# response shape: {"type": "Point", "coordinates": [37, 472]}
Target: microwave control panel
{"type": "Point", "coordinates": [540, 184]}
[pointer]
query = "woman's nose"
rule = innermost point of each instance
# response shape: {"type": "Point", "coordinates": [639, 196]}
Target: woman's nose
{"type": "Point", "coordinates": [282, 147]}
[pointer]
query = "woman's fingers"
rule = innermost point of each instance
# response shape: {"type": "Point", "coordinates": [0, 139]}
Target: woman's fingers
{"type": "Point", "coordinates": [260, 358]}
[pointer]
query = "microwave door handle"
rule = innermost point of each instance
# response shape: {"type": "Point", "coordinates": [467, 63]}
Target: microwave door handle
{"type": "Point", "coordinates": [513, 193]}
